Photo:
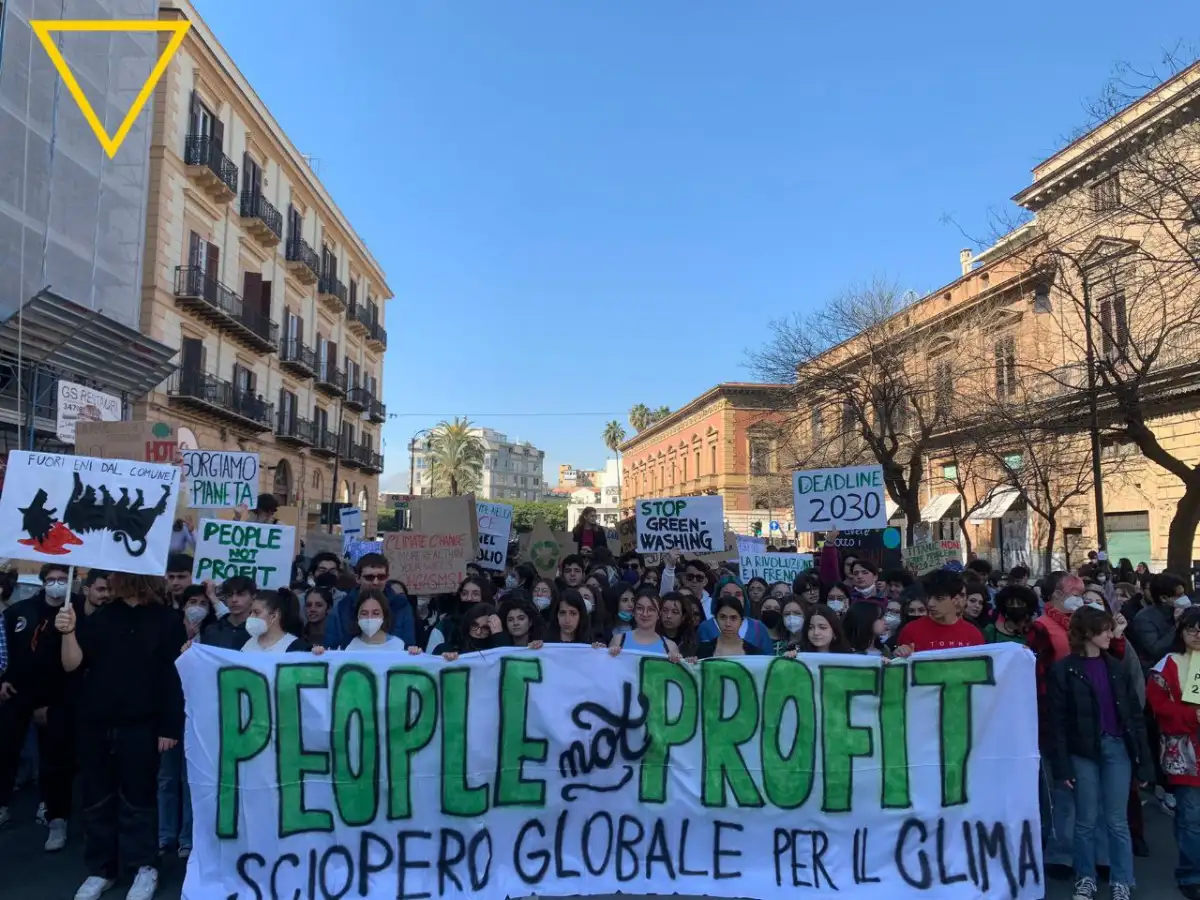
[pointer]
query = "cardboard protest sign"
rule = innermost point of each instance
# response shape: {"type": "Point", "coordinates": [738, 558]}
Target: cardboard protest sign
{"type": "Point", "coordinates": [495, 525]}
{"type": "Point", "coordinates": [842, 498]}
{"type": "Point", "coordinates": [411, 752]}
{"type": "Point", "coordinates": [773, 567]}
{"type": "Point", "coordinates": [545, 552]}
{"type": "Point", "coordinates": [627, 532]}
{"type": "Point", "coordinates": [432, 558]}
{"type": "Point", "coordinates": [140, 441]}
{"type": "Point", "coordinates": [220, 479]}
{"type": "Point", "coordinates": [930, 555]}
{"type": "Point", "coordinates": [693, 525]}
{"type": "Point", "coordinates": [256, 550]}
{"type": "Point", "coordinates": [84, 511]}
{"type": "Point", "coordinates": [322, 542]}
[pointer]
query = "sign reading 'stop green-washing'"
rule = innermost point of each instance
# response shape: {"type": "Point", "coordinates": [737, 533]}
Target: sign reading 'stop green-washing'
{"type": "Point", "coordinates": [691, 525]}
{"type": "Point", "coordinates": [566, 771]}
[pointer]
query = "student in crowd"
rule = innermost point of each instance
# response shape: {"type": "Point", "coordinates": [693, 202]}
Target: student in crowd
{"type": "Point", "coordinates": [324, 563]}
{"type": "Point", "coordinates": [95, 590]}
{"type": "Point", "coordinates": [479, 629]}
{"type": "Point", "coordinates": [730, 618]}
{"type": "Point", "coordinates": [779, 590]}
{"type": "Point", "coordinates": [823, 632]}
{"type": "Point", "coordinates": [794, 613]}
{"type": "Point", "coordinates": [694, 576]}
{"type": "Point", "coordinates": [943, 626]}
{"type": "Point", "coordinates": [179, 576]}
{"type": "Point", "coordinates": [1153, 630]}
{"type": "Point", "coordinates": [588, 533]}
{"type": "Point", "coordinates": [807, 589]}
{"type": "Point", "coordinates": [35, 690]}
{"type": "Point", "coordinates": [750, 629]}
{"type": "Point", "coordinates": [676, 621]}
{"type": "Point", "coordinates": [522, 623]}
{"type": "Point", "coordinates": [1015, 605]}
{"type": "Point", "coordinates": [274, 624]}
{"type": "Point", "coordinates": [771, 616]}
{"type": "Point", "coordinates": [646, 635]}
{"type": "Point", "coordinates": [373, 627]}
{"type": "Point", "coordinates": [896, 581]}
{"type": "Point", "coordinates": [317, 603]}
{"type": "Point", "coordinates": [865, 583]}
{"type": "Point", "coordinates": [1097, 740]}
{"type": "Point", "coordinates": [756, 589]}
{"type": "Point", "coordinates": [372, 574]}
{"type": "Point", "coordinates": [1178, 725]}
{"type": "Point", "coordinates": [652, 577]}
{"type": "Point", "coordinates": [229, 631]}
{"type": "Point", "coordinates": [131, 711]}
{"type": "Point", "coordinates": [893, 616]}
{"type": "Point", "coordinates": [978, 601]}
{"type": "Point", "coordinates": [864, 628]}
{"type": "Point", "coordinates": [545, 597]}
{"type": "Point", "coordinates": [619, 606]}
{"type": "Point", "coordinates": [572, 570]}
{"type": "Point", "coordinates": [836, 596]}
{"type": "Point", "coordinates": [632, 565]}
{"type": "Point", "coordinates": [570, 623]}
{"type": "Point", "coordinates": [198, 611]}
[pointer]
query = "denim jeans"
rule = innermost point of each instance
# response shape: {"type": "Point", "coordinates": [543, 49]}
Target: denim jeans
{"type": "Point", "coordinates": [174, 800]}
{"type": "Point", "coordinates": [1187, 834]}
{"type": "Point", "coordinates": [1058, 825]}
{"type": "Point", "coordinates": [1101, 801]}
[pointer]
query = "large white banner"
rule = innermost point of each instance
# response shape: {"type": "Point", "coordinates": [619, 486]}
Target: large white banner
{"type": "Point", "coordinates": [84, 511]}
{"type": "Point", "coordinates": [566, 771]}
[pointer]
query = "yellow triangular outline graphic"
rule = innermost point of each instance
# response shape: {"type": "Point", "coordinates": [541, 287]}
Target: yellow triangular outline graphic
{"type": "Point", "coordinates": [44, 28]}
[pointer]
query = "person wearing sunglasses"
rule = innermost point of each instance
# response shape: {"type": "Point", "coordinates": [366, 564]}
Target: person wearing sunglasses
{"type": "Point", "coordinates": [372, 572]}
{"type": "Point", "coordinates": [694, 576]}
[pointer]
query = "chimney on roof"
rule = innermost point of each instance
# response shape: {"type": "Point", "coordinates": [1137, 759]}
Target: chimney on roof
{"type": "Point", "coordinates": [964, 258]}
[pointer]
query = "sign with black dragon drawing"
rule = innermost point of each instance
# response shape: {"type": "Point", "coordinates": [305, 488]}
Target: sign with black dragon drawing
{"type": "Point", "coordinates": [85, 511]}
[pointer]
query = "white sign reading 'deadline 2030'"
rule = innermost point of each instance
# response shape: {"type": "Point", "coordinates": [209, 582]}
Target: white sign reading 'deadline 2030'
{"type": "Point", "coordinates": [847, 497]}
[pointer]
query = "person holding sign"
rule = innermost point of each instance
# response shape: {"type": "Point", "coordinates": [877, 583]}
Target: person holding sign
{"type": "Point", "coordinates": [131, 711]}
{"type": "Point", "coordinates": [1097, 736]}
{"type": "Point", "coordinates": [645, 637]}
{"type": "Point", "coordinates": [1173, 692]}
{"type": "Point", "coordinates": [730, 618]}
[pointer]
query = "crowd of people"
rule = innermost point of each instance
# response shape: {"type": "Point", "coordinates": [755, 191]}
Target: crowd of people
{"type": "Point", "coordinates": [88, 685]}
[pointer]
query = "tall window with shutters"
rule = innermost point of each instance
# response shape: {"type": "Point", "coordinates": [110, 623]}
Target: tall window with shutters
{"type": "Point", "coordinates": [287, 411]}
{"type": "Point", "coordinates": [943, 386]}
{"type": "Point", "coordinates": [192, 367]}
{"type": "Point", "coordinates": [1005, 351]}
{"type": "Point", "coordinates": [204, 260]}
{"type": "Point", "coordinates": [1114, 325]}
{"type": "Point", "coordinates": [295, 225]}
{"type": "Point", "coordinates": [252, 176]}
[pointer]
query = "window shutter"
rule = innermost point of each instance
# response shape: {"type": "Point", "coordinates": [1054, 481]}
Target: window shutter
{"type": "Point", "coordinates": [194, 249]}
{"type": "Point", "coordinates": [212, 262]}
{"type": "Point", "coordinates": [251, 289]}
{"type": "Point", "coordinates": [218, 137]}
{"type": "Point", "coordinates": [194, 113]}
{"type": "Point", "coordinates": [264, 302]}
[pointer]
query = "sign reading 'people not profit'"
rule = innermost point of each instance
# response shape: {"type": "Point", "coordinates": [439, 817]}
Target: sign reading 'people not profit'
{"type": "Point", "coordinates": [566, 771]}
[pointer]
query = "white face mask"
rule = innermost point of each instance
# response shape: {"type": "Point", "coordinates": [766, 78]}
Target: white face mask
{"type": "Point", "coordinates": [1072, 603]}
{"type": "Point", "coordinates": [837, 605]}
{"type": "Point", "coordinates": [256, 627]}
{"type": "Point", "coordinates": [587, 604]}
{"type": "Point", "coordinates": [541, 602]}
{"type": "Point", "coordinates": [1095, 604]}
{"type": "Point", "coordinates": [510, 581]}
{"type": "Point", "coordinates": [793, 623]}
{"type": "Point", "coordinates": [195, 614]}
{"type": "Point", "coordinates": [370, 627]}
{"type": "Point", "coordinates": [1183, 602]}
{"type": "Point", "coordinates": [891, 620]}
{"type": "Point", "coordinates": [55, 591]}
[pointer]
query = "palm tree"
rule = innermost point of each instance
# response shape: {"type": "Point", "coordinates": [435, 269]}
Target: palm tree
{"type": "Point", "coordinates": [456, 462]}
{"type": "Point", "coordinates": [614, 437]}
{"type": "Point", "coordinates": [659, 414]}
{"type": "Point", "coordinates": [639, 417]}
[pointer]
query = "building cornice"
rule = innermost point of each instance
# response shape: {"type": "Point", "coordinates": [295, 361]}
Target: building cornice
{"type": "Point", "coordinates": [725, 391]}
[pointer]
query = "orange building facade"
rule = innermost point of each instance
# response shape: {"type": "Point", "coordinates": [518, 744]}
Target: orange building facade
{"type": "Point", "coordinates": [718, 444]}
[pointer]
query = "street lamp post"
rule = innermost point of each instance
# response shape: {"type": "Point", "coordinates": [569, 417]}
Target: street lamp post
{"type": "Point", "coordinates": [1094, 414]}
{"type": "Point", "coordinates": [412, 461]}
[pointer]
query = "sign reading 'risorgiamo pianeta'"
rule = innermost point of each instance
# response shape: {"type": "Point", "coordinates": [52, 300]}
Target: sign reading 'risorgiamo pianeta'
{"type": "Point", "coordinates": [567, 771]}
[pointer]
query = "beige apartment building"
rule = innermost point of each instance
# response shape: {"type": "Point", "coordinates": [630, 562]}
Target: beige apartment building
{"type": "Point", "coordinates": [273, 299]}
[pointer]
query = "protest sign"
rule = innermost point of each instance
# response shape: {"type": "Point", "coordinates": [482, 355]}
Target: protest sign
{"type": "Point", "coordinates": [847, 497]}
{"type": "Point", "coordinates": [880, 545]}
{"type": "Point", "coordinates": [627, 532]}
{"type": "Point", "coordinates": [220, 479]}
{"type": "Point", "coordinates": [746, 544]}
{"type": "Point", "coordinates": [773, 567]}
{"type": "Point", "coordinates": [256, 550]}
{"type": "Point", "coordinates": [929, 555]}
{"type": "Point", "coordinates": [84, 511]}
{"type": "Point", "coordinates": [568, 772]}
{"type": "Point", "coordinates": [495, 525]}
{"type": "Point", "coordinates": [351, 521]}
{"type": "Point", "coordinates": [322, 542]}
{"type": "Point", "coordinates": [433, 557]}
{"type": "Point", "coordinates": [694, 525]}
{"type": "Point", "coordinates": [139, 441]}
{"type": "Point", "coordinates": [356, 550]}
{"type": "Point", "coordinates": [77, 403]}
{"type": "Point", "coordinates": [544, 550]}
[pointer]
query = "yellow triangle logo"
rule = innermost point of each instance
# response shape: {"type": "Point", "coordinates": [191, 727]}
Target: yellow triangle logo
{"type": "Point", "coordinates": [45, 28]}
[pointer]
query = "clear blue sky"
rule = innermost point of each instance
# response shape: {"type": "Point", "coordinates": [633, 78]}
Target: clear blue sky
{"type": "Point", "coordinates": [586, 204]}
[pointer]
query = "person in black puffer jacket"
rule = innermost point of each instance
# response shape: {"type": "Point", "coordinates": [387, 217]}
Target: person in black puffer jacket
{"type": "Point", "coordinates": [1097, 742]}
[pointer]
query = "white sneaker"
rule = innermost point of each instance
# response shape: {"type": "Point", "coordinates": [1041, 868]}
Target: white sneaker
{"type": "Point", "coordinates": [5, 815]}
{"type": "Point", "coordinates": [144, 884]}
{"type": "Point", "coordinates": [93, 888]}
{"type": "Point", "coordinates": [40, 818]}
{"type": "Point", "coordinates": [58, 835]}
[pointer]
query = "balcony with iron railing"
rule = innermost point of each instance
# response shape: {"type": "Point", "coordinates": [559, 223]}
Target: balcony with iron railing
{"type": "Point", "coordinates": [378, 336]}
{"type": "Point", "coordinates": [368, 460]}
{"type": "Point", "coordinates": [210, 167]}
{"type": "Point", "coordinates": [261, 219]}
{"type": "Point", "coordinates": [221, 306]}
{"type": "Point", "coordinates": [297, 358]}
{"type": "Point", "coordinates": [355, 309]}
{"type": "Point", "coordinates": [302, 261]}
{"type": "Point", "coordinates": [294, 430]}
{"type": "Point", "coordinates": [329, 379]}
{"type": "Point", "coordinates": [325, 442]}
{"type": "Point", "coordinates": [332, 292]}
{"type": "Point", "coordinates": [221, 400]}
{"type": "Point", "coordinates": [377, 411]}
{"type": "Point", "coordinates": [357, 398]}
{"type": "Point", "coordinates": [346, 454]}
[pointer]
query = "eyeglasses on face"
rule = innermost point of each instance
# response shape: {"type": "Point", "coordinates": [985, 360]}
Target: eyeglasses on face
{"type": "Point", "coordinates": [372, 577]}
{"type": "Point", "coordinates": [693, 576]}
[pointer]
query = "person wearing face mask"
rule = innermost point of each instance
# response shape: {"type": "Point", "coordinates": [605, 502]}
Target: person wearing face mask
{"type": "Point", "coordinates": [471, 590]}
{"type": "Point", "coordinates": [371, 572]}
{"type": "Point", "coordinates": [545, 597]}
{"type": "Point", "coordinates": [892, 617]}
{"type": "Point", "coordinates": [1153, 629]}
{"type": "Point", "coordinates": [324, 563]}
{"type": "Point", "coordinates": [36, 691]}
{"type": "Point", "coordinates": [274, 624]}
{"type": "Point", "coordinates": [793, 621]}
{"type": "Point", "coordinates": [836, 597]}
{"type": "Point", "coordinates": [372, 629]}
{"type": "Point", "coordinates": [619, 607]}
{"type": "Point", "coordinates": [865, 583]}
{"type": "Point", "coordinates": [1015, 605]}
{"type": "Point", "coordinates": [770, 613]}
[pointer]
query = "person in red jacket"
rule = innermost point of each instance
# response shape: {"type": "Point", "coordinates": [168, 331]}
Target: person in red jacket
{"type": "Point", "coordinates": [1179, 724]}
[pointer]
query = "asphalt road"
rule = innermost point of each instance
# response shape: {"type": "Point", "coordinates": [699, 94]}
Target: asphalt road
{"type": "Point", "coordinates": [29, 873]}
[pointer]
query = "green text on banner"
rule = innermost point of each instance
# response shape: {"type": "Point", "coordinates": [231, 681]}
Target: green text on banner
{"type": "Point", "coordinates": [220, 479]}
{"type": "Point", "coordinates": [256, 550]}
{"type": "Point", "coordinates": [847, 497]}
{"type": "Point", "coordinates": [566, 771]}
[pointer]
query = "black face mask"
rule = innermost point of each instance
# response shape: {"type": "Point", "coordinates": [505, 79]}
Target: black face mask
{"type": "Point", "coordinates": [771, 618]}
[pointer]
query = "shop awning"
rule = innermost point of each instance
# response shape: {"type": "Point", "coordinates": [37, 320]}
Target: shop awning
{"type": "Point", "coordinates": [938, 508]}
{"type": "Point", "coordinates": [77, 341]}
{"type": "Point", "coordinates": [999, 499]}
